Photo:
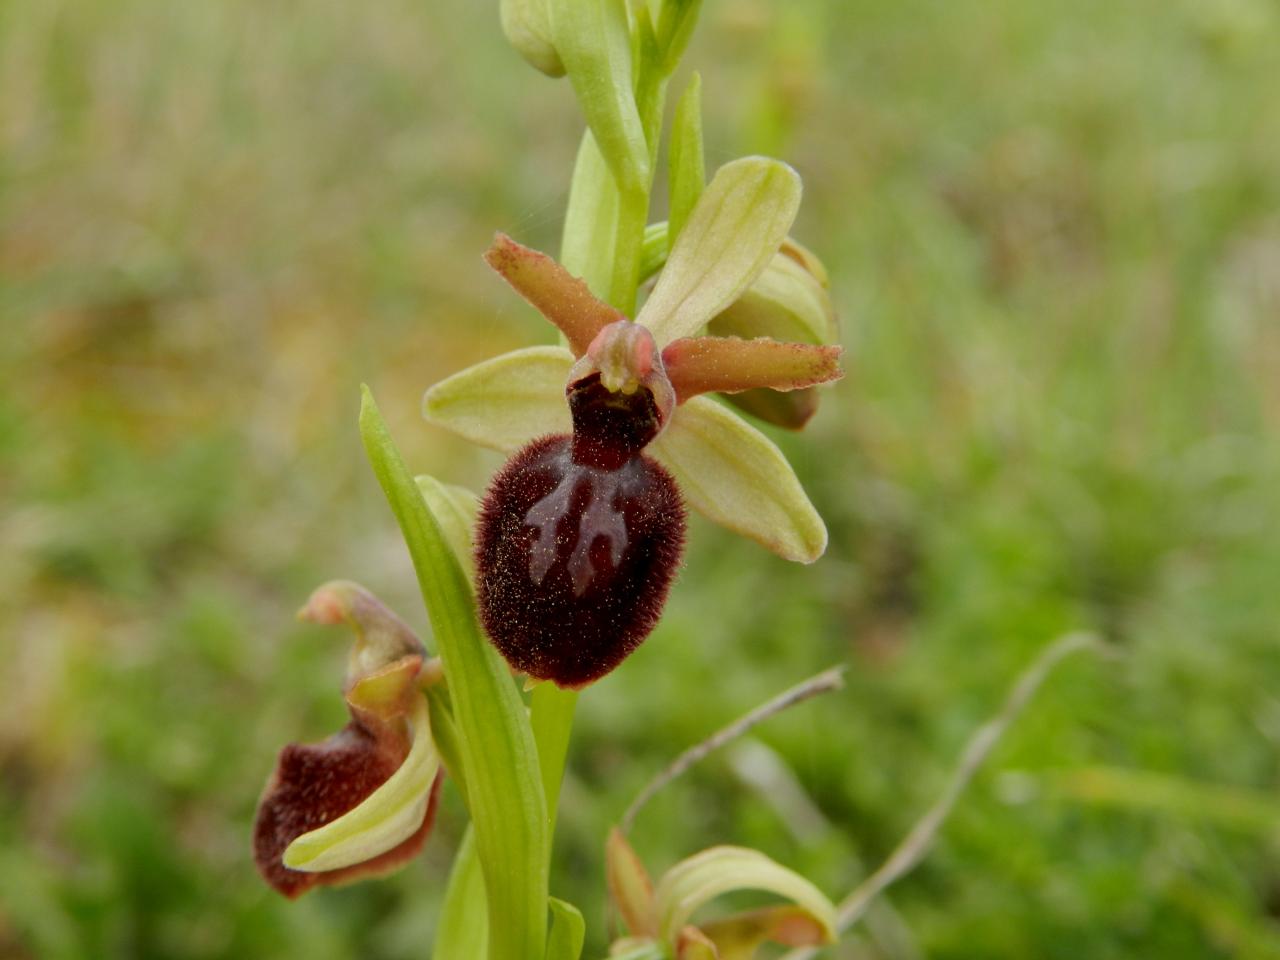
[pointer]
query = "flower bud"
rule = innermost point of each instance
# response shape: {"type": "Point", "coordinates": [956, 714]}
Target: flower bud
{"type": "Point", "coordinates": [527, 24]}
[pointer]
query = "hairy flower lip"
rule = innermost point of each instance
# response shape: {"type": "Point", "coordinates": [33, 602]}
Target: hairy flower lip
{"type": "Point", "coordinates": [575, 560]}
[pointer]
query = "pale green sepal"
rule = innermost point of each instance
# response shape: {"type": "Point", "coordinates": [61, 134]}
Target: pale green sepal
{"type": "Point", "coordinates": [463, 932]}
{"type": "Point", "coordinates": [786, 302]}
{"type": "Point", "coordinates": [686, 166]}
{"type": "Point", "coordinates": [590, 220]}
{"type": "Point", "coordinates": [506, 401]}
{"type": "Point", "coordinates": [653, 250]}
{"type": "Point", "coordinates": [498, 753]}
{"type": "Point", "coordinates": [527, 24]}
{"type": "Point", "coordinates": [737, 477]}
{"type": "Point", "coordinates": [733, 232]}
{"type": "Point", "coordinates": [594, 43]}
{"type": "Point", "coordinates": [568, 930]}
{"type": "Point", "coordinates": [455, 508]}
{"type": "Point", "coordinates": [695, 882]}
{"type": "Point", "coordinates": [387, 817]}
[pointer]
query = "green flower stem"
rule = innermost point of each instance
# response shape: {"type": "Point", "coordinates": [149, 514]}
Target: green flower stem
{"type": "Point", "coordinates": [551, 715]}
{"type": "Point", "coordinates": [633, 216]}
{"type": "Point", "coordinates": [499, 757]}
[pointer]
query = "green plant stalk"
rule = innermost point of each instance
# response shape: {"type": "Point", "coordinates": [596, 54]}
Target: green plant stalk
{"type": "Point", "coordinates": [551, 715]}
{"type": "Point", "coordinates": [633, 205]}
{"type": "Point", "coordinates": [597, 253]}
{"type": "Point", "coordinates": [552, 709]}
{"type": "Point", "coordinates": [499, 756]}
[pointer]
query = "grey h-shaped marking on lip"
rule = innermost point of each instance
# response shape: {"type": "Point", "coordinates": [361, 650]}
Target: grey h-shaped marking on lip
{"type": "Point", "coordinates": [601, 518]}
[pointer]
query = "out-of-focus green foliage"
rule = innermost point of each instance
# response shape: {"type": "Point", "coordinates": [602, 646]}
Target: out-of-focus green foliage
{"type": "Point", "coordinates": [1053, 230]}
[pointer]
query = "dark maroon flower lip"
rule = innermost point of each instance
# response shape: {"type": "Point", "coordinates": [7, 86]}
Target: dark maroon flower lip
{"type": "Point", "coordinates": [574, 560]}
{"type": "Point", "coordinates": [314, 784]}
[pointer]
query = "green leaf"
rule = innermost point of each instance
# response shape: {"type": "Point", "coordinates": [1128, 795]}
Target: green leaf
{"type": "Point", "coordinates": [591, 219]}
{"type": "Point", "coordinates": [455, 508]}
{"type": "Point", "coordinates": [527, 24]}
{"type": "Point", "coordinates": [498, 752]}
{"type": "Point", "coordinates": [695, 882]}
{"type": "Point", "coordinates": [686, 166]}
{"type": "Point", "coordinates": [733, 232]}
{"type": "Point", "coordinates": [506, 401]}
{"type": "Point", "coordinates": [737, 477]}
{"type": "Point", "coordinates": [463, 933]}
{"type": "Point", "coordinates": [384, 819]}
{"type": "Point", "coordinates": [568, 930]}
{"type": "Point", "coordinates": [594, 44]}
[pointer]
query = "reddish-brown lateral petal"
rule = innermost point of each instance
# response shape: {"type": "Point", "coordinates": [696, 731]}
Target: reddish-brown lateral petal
{"type": "Point", "coordinates": [728, 365]}
{"type": "Point", "coordinates": [558, 295]}
{"type": "Point", "coordinates": [314, 784]}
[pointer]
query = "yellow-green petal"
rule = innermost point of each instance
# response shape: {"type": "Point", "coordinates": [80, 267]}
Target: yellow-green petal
{"type": "Point", "coordinates": [695, 882]}
{"type": "Point", "coordinates": [385, 818]}
{"type": "Point", "coordinates": [506, 401]}
{"type": "Point", "coordinates": [737, 477]}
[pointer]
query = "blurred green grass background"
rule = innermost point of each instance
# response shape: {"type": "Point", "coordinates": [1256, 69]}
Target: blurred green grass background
{"type": "Point", "coordinates": [1054, 235]}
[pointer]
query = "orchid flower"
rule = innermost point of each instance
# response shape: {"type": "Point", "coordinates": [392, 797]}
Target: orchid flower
{"type": "Point", "coordinates": [362, 802]}
{"type": "Point", "coordinates": [663, 915]}
{"type": "Point", "coordinates": [582, 530]}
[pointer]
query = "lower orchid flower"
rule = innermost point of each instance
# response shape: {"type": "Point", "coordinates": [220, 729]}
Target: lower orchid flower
{"type": "Point", "coordinates": [362, 802]}
{"type": "Point", "coordinates": [581, 532]}
{"type": "Point", "coordinates": [662, 915]}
